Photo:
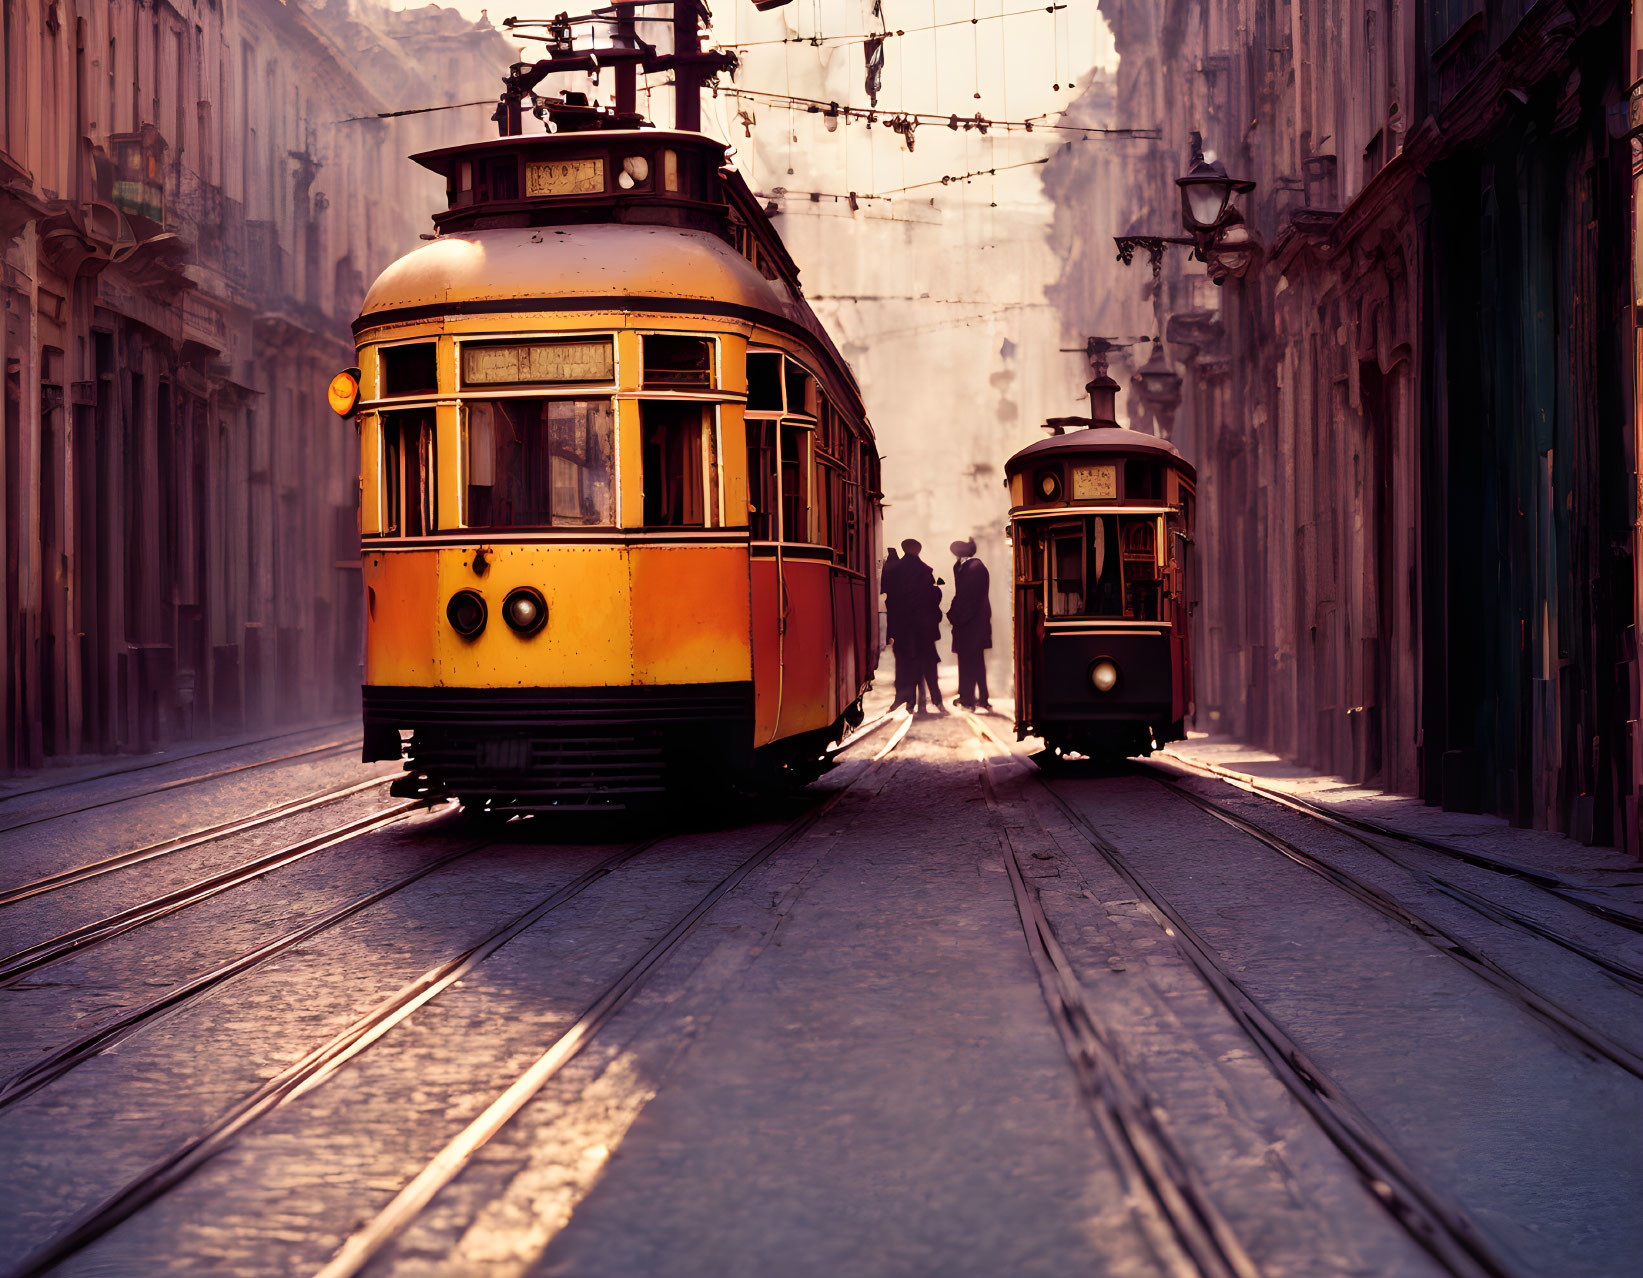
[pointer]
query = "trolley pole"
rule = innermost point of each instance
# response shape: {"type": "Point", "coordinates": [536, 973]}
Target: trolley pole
{"type": "Point", "coordinates": [627, 71]}
{"type": "Point", "coordinates": [687, 71]}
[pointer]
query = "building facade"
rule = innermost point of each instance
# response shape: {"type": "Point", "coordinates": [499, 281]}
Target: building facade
{"type": "Point", "coordinates": [1412, 412]}
{"type": "Point", "coordinates": [193, 196]}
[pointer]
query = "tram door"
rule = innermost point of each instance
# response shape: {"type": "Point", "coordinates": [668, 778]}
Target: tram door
{"type": "Point", "coordinates": [1029, 619]}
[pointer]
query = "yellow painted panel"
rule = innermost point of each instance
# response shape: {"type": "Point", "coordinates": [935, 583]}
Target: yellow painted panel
{"type": "Point", "coordinates": [370, 473]}
{"type": "Point", "coordinates": [733, 464]}
{"type": "Point", "coordinates": [732, 362]}
{"type": "Point", "coordinates": [630, 465]}
{"type": "Point", "coordinates": [690, 616]}
{"type": "Point", "coordinates": [630, 364]}
{"type": "Point", "coordinates": [445, 364]}
{"type": "Point", "coordinates": [400, 615]}
{"type": "Point", "coordinates": [585, 642]}
{"type": "Point", "coordinates": [448, 465]}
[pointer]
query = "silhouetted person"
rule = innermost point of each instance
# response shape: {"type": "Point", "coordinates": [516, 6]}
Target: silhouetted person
{"type": "Point", "coordinates": [895, 626]}
{"type": "Point", "coordinates": [918, 626]}
{"type": "Point", "coordinates": [972, 619]}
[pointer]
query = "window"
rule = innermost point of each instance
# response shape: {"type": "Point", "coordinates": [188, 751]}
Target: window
{"type": "Point", "coordinates": [411, 369]}
{"type": "Point", "coordinates": [1066, 572]}
{"type": "Point", "coordinates": [681, 474]}
{"type": "Point", "coordinates": [761, 479]}
{"type": "Point", "coordinates": [1143, 481]}
{"type": "Point", "coordinates": [502, 179]}
{"type": "Point", "coordinates": [795, 483]}
{"type": "Point", "coordinates": [801, 390]}
{"type": "Point", "coordinates": [764, 382]}
{"type": "Point", "coordinates": [540, 463]}
{"type": "Point", "coordinates": [407, 473]}
{"type": "Point", "coordinates": [678, 361]}
{"type": "Point", "coordinates": [1107, 566]}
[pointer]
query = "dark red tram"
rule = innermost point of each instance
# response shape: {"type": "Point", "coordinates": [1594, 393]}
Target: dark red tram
{"type": "Point", "coordinates": [1101, 524]}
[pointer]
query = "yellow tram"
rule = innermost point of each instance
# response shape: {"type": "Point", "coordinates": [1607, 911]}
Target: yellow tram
{"type": "Point", "coordinates": [620, 501]}
{"type": "Point", "coordinates": [1101, 526]}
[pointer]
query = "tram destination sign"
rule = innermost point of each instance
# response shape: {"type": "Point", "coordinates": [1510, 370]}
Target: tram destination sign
{"type": "Point", "coordinates": [1095, 483]}
{"type": "Point", "coordinates": [537, 363]}
{"type": "Point", "coordinates": [565, 177]}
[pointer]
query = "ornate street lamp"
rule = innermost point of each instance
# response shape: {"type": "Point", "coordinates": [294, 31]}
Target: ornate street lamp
{"type": "Point", "coordinates": [1206, 198]}
{"type": "Point", "coordinates": [1160, 385]}
{"type": "Point", "coordinates": [1206, 191]}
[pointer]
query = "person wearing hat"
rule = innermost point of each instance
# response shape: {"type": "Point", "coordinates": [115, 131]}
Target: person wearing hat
{"type": "Point", "coordinates": [915, 607]}
{"type": "Point", "coordinates": [972, 619]}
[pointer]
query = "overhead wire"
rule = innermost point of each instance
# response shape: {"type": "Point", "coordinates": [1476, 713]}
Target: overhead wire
{"type": "Point", "coordinates": [951, 120]}
{"type": "Point", "coordinates": [817, 41]}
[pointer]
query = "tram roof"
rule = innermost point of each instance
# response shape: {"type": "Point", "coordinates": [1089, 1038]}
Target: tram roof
{"type": "Point", "coordinates": [1101, 439]}
{"type": "Point", "coordinates": [592, 267]}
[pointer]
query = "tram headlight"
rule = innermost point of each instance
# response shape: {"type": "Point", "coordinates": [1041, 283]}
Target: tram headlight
{"type": "Point", "coordinates": [466, 613]}
{"type": "Point", "coordinates": [1104, 675]}
{"type": "Point", "coordinates": [524, 610]}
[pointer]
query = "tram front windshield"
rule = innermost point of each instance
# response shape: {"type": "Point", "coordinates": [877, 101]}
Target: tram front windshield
{"type": "Point", "coordinates": [1104, 566]}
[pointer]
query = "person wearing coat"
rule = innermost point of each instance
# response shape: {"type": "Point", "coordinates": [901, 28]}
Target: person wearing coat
{"type": "Point", "coordinates": [895, 625]}
{"type": "Point", "coordinates": [916, 609]}
{"type": "Point", "coordinates": [972, 620]}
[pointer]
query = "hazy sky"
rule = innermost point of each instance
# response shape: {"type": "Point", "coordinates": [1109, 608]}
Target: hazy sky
{"type": "Point", "coordinates": [1014, 62]}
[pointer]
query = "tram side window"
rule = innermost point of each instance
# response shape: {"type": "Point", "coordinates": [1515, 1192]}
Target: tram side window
{"type": "Point", "coordinates": [795, 484]}
{"type": "Point", "coordinates": [764, 382]}
{"type": "Point", "coordinates": [761, 479]}
{"type": "Point", "coordinates": [801, 390]}
{"type": "Point", "coordinates": [540, 463]}
{"type": "Point", "coordinates": [681, 476]}
{"type": "Point", "coordinates": [1143, 481]}
{"type": "Point", "coordinates": [678, 361]}
{"type": "Point", "coordinates": [407, 473]}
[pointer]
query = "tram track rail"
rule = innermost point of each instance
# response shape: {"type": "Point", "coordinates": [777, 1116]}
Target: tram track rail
{"type": "Point", "coordinates": [1553, 884]}
{"type": "Point", "coordinates": [327, 748]}
{"type": "Point", "coordinates": [1516, 990]}
{"type": "Point", "coordinates": [54, 1065]}
{"type": "Point", "coordinates": [325, 1060]}
{"type": "Point", "coordinates": [1174, 1210]}
{"type": "Point", "coordinates": [183, 842]}
{"type": "Point", "coordinates": [12, 795]}
{"type": "Point", "coordinates": [313, 1068]}
{"type": "Point", "coordinates": [42, 953]}
{"type": "Point", "coordinates": [367, 1242]}
{"type": "Point", "coordinates": [1440, 1226]}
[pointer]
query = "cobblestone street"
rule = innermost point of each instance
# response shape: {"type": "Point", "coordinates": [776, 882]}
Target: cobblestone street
{"type": "Point", "coordinates": [944, 1013]}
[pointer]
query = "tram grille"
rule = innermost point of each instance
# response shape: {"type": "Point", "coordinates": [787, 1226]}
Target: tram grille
{"type": "Point", "coordinates": [536, 748]}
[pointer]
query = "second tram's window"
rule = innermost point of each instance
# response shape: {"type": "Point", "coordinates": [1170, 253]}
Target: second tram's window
{"type": "Point", "coordinates": [680, 466]}
{"type": "Point", "coordinates": [411, 369]}
{"type": "Point", "coordinates": [540, 463]}
{"type": "Point", "coordinates": [761, 479]}
{"type": "Point", "coordinates": [1143, 481]}
{"type": "Point", "coordinates": [678, 361]}
{"type": "Point", "coordinates": [1106, 568]}
{"type": "Point", "coordinates": [408, 473]}
{"type": "Point", "coordinates": [1066, 572]}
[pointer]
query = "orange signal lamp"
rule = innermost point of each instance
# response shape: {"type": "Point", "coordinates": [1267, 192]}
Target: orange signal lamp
{"type": "Point", "coordinates": [343, 392]}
